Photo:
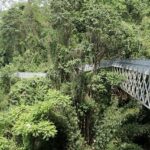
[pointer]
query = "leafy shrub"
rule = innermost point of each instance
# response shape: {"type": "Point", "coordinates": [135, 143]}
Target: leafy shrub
{"type": "Point", "coordinates": [28, 91]}
{"type": "Point", "coordinates": [46, 120]}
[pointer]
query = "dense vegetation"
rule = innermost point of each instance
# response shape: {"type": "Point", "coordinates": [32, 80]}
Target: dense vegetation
{"type": "Point", "coordinates": [71, 109]}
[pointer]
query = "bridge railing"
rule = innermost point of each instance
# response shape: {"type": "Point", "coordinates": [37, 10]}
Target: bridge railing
{"type": "Point", "coordinates": [25, 75]}
{"type": "Point", "coordinates": [142, 66]}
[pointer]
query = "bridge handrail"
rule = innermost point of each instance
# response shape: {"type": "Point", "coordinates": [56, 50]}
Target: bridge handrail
{"type": "Point", "coordinates": [141, 66]}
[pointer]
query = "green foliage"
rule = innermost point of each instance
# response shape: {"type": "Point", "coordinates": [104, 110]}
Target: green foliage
{"type": "Point", "coordinates": [46, 120]}
{"type": "Point", "coordinates": [45, 129]}
{"type": "Point", "coordinates": [115, 145]}
{"type": "Point", "coordinates": [58, 37]}
{"type": "Point", "coordinates": [4, 144]}
{"type": "Point", "coordinates": [113, 119]}
{"type": "Point", "coordinates": [3, 101]}
{"type": "Point", "coordinates": [23, 37]}
{"type": "Point", "coordinates": [6, 78]}
{"type": "Point", "coordinates": [28, 91]}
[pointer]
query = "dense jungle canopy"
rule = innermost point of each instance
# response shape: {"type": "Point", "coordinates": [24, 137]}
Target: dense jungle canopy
{"type": "Point", "coordinates": [71, 109]}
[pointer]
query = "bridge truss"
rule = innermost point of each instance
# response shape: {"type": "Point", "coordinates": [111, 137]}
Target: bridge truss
{"type": "Point", "coordinates": [136, 74]}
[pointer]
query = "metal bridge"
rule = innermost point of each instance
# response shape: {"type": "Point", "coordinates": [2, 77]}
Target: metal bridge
{"type": "Point", "coordinates": [135, 72]}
